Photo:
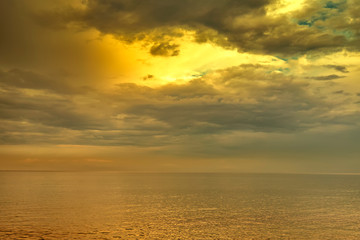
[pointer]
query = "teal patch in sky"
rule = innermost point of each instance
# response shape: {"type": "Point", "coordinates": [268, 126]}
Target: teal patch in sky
{"type": "Point", "coordinates": [321, 16]}
{"type": "Point", "coordinates": [349, 35]}
{"type": "Point", "coordinates": [305, 23]}
{"type": "Point", "coordinates": [284, 70]}
{"type": "Point", "coordinates": [321, 27]}
{"type": "Point", "coordinates": [201, 74]}
{"type": "Point", "coordinates": [331, 5]}
{"type": "Point", "coordinates": [340, 6]}
{"type": "Point", "coordinates": [284, 59]}
{"type": "Point", "coordinates": [287, 59]}
{"type": "Point", "coordinates": [324, 14]}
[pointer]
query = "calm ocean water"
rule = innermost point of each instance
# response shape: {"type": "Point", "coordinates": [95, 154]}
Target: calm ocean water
{"type": "Point", "coordinates": [99, 205]}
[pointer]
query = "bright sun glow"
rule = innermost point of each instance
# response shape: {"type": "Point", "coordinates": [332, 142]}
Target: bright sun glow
{"type": "Point", "coordinates": [195, 60]}
{"type": "Point", "coordinates": [284, 6]}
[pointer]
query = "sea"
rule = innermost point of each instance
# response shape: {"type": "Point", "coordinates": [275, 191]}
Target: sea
{"type": "Point", "coordinates": [115, 205]}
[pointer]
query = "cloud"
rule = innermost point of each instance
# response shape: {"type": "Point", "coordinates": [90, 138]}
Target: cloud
{"type": "Point", "coordinates": [339, 68]}
{"type": "Point", "coordinates": [244, 98]}
{"type": "Point", "coordinates": [165, 49]}
{"type": "Point", "coordinates": [22, 79]}
{"type": "Point", "coordinates": [250, 98]}
{"type": "Point", "coordinates": [328, 77]}
{"type": "Point", "coordinates": [149, 76]}
{"type": "Point", "coordinates": [339, 92]}
{"type": "Point", "coordinates": [244, 25]}
{"type": "Point", "coordinates": [197, 88]}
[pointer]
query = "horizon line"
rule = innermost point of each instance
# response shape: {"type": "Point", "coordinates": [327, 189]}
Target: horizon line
{"type": "Point", "coordinates": [182, 172]}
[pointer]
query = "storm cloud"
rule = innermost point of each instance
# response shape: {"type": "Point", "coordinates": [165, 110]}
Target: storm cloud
{"type": "Point", "coordinates": [248, 26]}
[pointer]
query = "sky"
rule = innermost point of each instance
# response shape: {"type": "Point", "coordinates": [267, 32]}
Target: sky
{"type": "Point", "coordinates": [180, 86]}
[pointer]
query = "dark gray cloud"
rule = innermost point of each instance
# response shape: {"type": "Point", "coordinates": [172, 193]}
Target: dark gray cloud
{"type": "Point", "coordinates": [197, 88]}
{"type": "Point", "coordinates": [255, 100]}
{"type": "Point", "coordinates": [42, 100]}
{"type": "Point", "coordinates": [328, 77]}
{"type": "Point", "coordinates": [241, 24]}
{"type": "Point", "coordinates": [242, 112]}
{"type": "Point", "coordinates": [165, 49]}
{"type": "Point", "coordinates": [243, 98]}
{"type": "Point", "coordinates": [122, 16]}
{"type": "Point", "coordinates": [52, 111]}
{"type": "Point", "coordinates": [339, 68]}
{"type": "Point", "coordinates": [17, 78]}
{"type": "Point", "coordinates": [339, 92]}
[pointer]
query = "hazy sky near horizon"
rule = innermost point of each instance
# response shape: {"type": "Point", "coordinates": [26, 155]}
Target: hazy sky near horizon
{"type": "Point", "coordinates": [169, 85]}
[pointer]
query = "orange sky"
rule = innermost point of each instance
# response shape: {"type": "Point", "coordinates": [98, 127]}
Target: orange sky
{"type": "Point", "coordinates": [250, 86]}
